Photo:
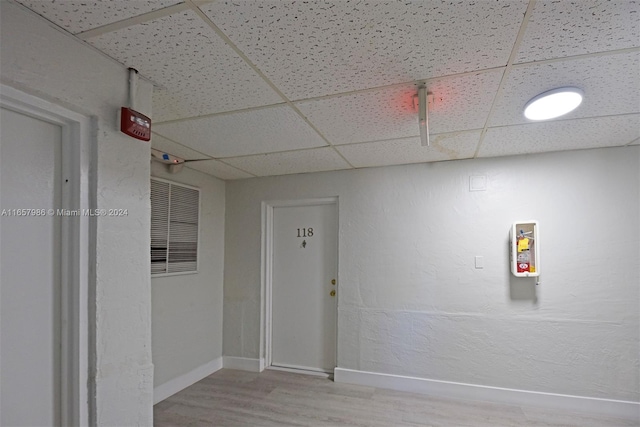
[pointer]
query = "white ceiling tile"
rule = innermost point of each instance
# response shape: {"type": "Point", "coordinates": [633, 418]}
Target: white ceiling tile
{"type": "Point", "coordinates": [199, 73]}
{"type": "Point", "coordinates": [77, 16]}
{"type": "Point", "coordinates": [460, 103]}
{"type": "Point", "coordinates": [163, 144]}
{"type": "Point", "coordinates": [565, 28]}
{"type": "Point", "coordinates": [243, 133]}
{"type": "Point", "coordinates": [636, 142]}
{"type": "Point", "coordinates": [463, 102]}
{"type": "Point", "coordinates": [368, 116]}
{"type": "Point", "coordinates": [561, 135]}
{"type": "Point", "coordinates": [312, 49]}
{"type": "Point", "coordinates": [218, 169]}
{"type": "Point", "coordinates": [610, 83]}
{"type": "Point", "coordinates": [459, 145]}
{"type": "Point", "coordinates": [170, 104]}
{"type": "Point", "coordinates": [315, 160]}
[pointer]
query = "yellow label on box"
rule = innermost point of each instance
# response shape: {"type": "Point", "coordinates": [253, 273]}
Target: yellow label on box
{"type": "Point", "coordinates": [523, 244]}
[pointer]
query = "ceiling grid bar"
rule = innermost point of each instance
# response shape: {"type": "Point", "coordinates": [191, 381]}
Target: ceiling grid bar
{"type": "Point", "coordinates": [236, 167]}
{"type": "Point", "coordinates": [181, 144]}
{"type": "Point", "coordinates": [289, 103]}
{"type": "Point", "coordinates": [632, 142]}
{"type": "Point", "coordinates": [578, 57]}
{"type": "Point", "coordinates": [129, 22]}
{"type": "Point", "coordinates": [505, 75]}
{"type": "Point", "coordinates": [224, 113]}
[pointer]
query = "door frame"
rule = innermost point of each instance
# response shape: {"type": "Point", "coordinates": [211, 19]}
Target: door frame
{"type": "Point", "coordinates": [266, 314]}
{"type": "Point", "coordinates": [76, 254]}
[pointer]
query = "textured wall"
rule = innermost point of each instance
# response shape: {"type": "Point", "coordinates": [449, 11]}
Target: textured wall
{"type": "Point", "coordinates": [411, 301]}
{"type": "Point", "coordinates": [40, 59]}
{"type": "Point", "coordinates": [187, 309]}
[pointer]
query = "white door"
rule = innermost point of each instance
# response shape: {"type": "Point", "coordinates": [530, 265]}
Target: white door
{"type": "Point", "coordinates": [304, 287]}
{"type": "Point", "coordinates": [30, 168]}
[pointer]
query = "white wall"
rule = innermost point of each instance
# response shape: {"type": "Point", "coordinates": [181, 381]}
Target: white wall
{"type": "Point", "coordinates": [410, 300]}
{"type": "Point", "coordinates": [40, 59]}
{"type": "Point", "coordinates": [187, 309]}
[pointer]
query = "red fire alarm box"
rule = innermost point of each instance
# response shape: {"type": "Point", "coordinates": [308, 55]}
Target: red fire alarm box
{"type": "Point", "coordinates": [135, 124]}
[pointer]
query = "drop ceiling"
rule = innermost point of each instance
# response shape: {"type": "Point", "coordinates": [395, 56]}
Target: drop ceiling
{"type": "Point", "coordinates": [266, 87]}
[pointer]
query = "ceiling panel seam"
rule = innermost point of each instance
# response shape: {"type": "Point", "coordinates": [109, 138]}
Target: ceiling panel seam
{"type": "Point", "coordinates": [245, 58]}
{"type": "Point", "coordinates": [404, 138]}
{"type": "Point", "coordinates": [573, 119]}
{"type": "Point", "coordinates": [223, 113]}
{"type": "Point", "coordinates": [221, 159]}
{"type": "Point", "coordinates": [235, 48]}
{"type": "Point", "coordinates": [293, 150]}
{"type": "Point", "coordinates": [343, 145]}
{"type": "Point", "coordinates": [181, 144]}
{"type": "Point", "coordinates": [343, 157]}
{"type": "Point", "coordinates": [577, 57]}
{"type": "Point", "coordinates": [507, 70]}
{"type": "Point", "coordinates": [129, 22]}
{"type": "Point", "coordinates": [240, 169]}
{"type": "Point", "coordinates": [226, 164]}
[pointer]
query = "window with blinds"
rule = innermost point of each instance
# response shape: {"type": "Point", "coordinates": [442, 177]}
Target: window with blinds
{"type": "Point", "coordinates": [174, 228]}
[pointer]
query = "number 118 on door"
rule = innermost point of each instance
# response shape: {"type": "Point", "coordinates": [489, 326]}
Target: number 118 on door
{"type": "Point", "coordinates": [305, 232]}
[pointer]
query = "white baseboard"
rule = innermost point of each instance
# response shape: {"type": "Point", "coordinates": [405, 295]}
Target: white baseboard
{"type": "Point", "coordinates": [299, 370]}
{"type": "Point", "coordinates": [173, 386]}
{"type": "Point", "coordinates": [243, 363]}
{"type": "Point", "coordinates": [606, 407]}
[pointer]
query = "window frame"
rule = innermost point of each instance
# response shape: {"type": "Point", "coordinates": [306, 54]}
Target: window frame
{"type": "Point", "coordinates": [191, 187]}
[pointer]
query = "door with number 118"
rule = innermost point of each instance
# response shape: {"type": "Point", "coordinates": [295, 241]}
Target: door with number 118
{"type": "Point", "coordinates": [304, 287]}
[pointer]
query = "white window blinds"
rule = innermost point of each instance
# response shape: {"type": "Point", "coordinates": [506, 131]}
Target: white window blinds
{"type": "Point", "coordinates": [174, 228]}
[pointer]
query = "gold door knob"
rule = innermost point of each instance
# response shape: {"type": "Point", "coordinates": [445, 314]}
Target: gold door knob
{"type": "Point", "coordinates": [333, 281]}
{"type": "Point", "coordinates": [332, 293]}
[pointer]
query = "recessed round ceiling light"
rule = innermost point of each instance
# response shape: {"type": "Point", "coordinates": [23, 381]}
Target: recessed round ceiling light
{"type": "Point", "coordinates": [553, 103]}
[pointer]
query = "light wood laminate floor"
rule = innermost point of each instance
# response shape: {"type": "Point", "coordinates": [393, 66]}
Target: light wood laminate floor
{"type": "Point", "coordinates": [276, 398]}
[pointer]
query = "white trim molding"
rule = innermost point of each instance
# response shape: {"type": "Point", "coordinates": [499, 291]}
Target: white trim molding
{"type": "Point", "coordinates": [243, 363]}
{"type": "Point", "coordinates": [177, 384]}
{"type": "Point", "coordinates": [266, 264]}
{"type": "Point", "coordinates": [606, 407]}
{"type": "Point", "coordinates": [302, 371]}
{"type": "Point", "coordinates": [77, 250]}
